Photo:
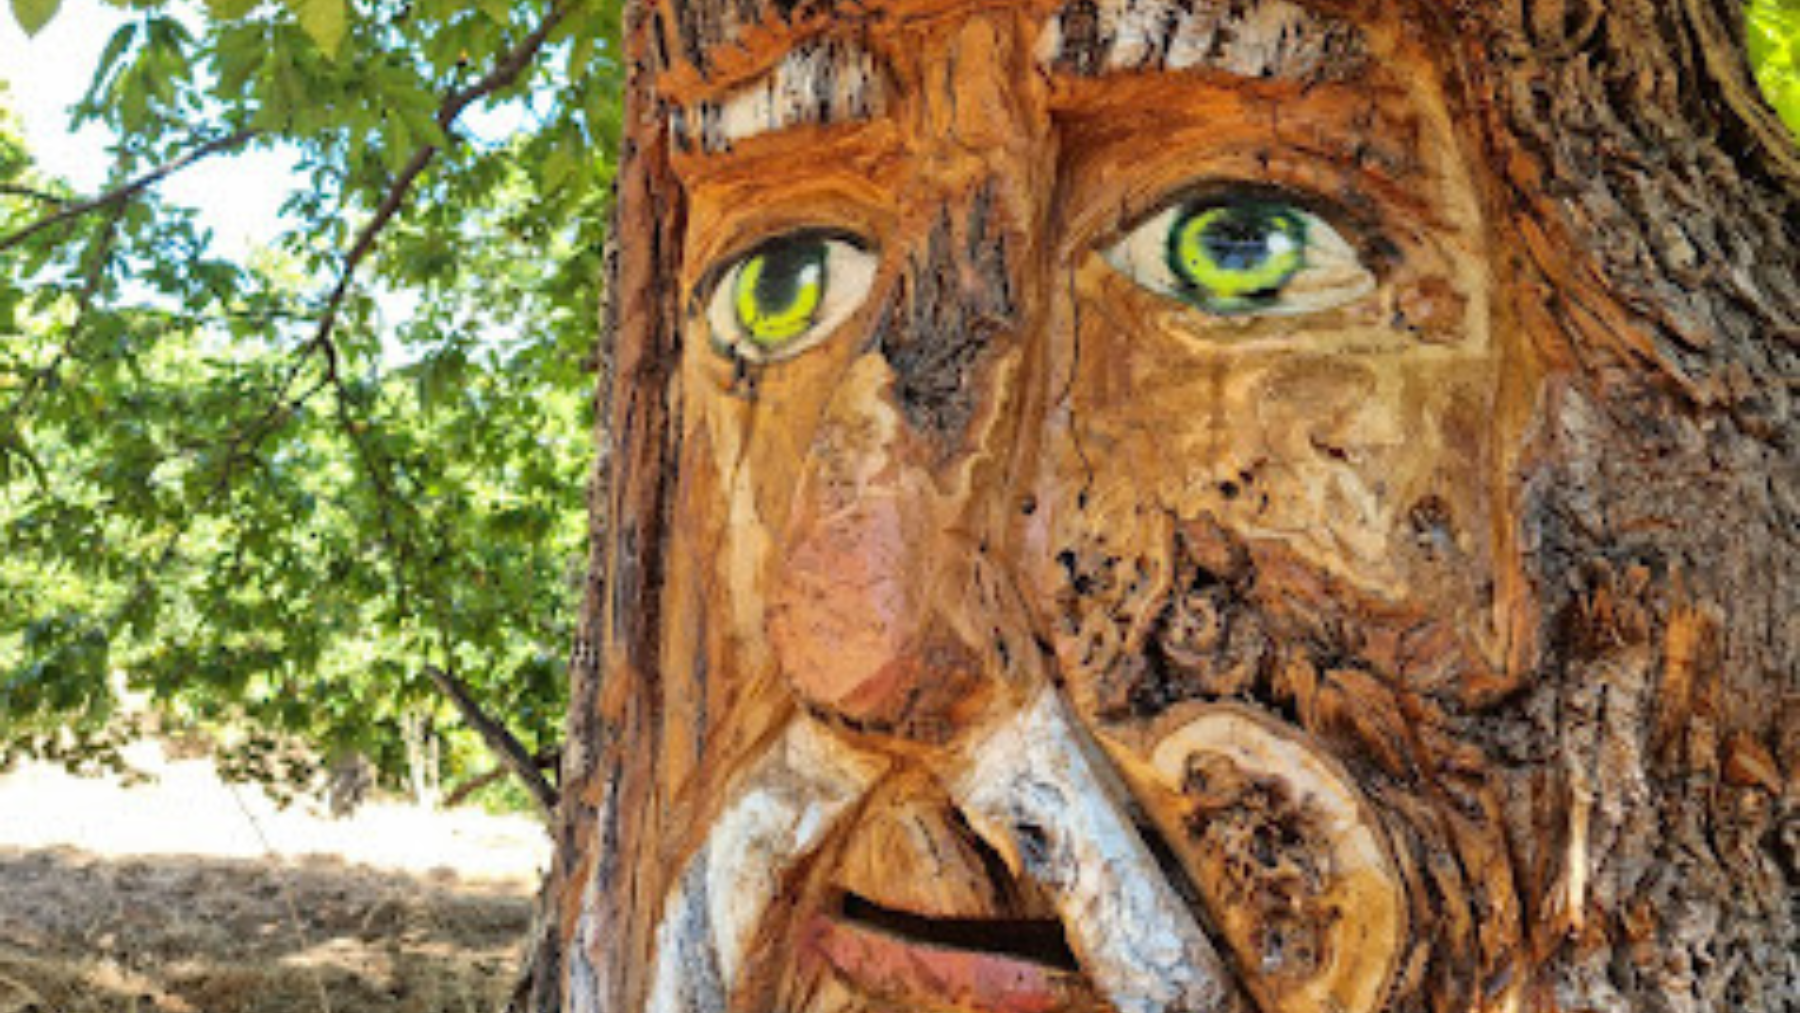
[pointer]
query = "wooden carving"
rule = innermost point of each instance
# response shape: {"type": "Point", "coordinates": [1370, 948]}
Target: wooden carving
{"type": "Point", "coordinates": [1192, 505]}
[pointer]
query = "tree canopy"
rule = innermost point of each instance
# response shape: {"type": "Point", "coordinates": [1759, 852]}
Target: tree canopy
{"type": "Point", "coordinates": [287, 491]}
{"type": "Point", "coordinates": [304, 493]}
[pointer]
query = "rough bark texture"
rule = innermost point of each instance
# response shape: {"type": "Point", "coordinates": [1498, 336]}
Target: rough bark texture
{"type": "Point", "coordinates": [1538, 747]}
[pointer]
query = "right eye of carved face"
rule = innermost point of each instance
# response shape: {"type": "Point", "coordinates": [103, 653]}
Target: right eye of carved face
{"type": "Point", "coordinates": [1235, 257]}
{"type": "Point", "coordinates": [787, 295]}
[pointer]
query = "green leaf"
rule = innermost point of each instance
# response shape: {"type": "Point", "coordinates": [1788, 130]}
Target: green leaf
{"type": "Point", "coordinates": [230, 10]}
{"type": "Point", "coordinates": [33, 15]}
{"type": "Point", "coordinates": [1774, 36]}
{"type": "Point", "coordinates": [324, 21]}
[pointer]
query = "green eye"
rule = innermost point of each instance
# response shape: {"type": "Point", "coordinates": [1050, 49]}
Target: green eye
{"type": "Point", "coordinates": [778, 291]}
{"type": "Point", "coordinates": [1238, 256]}
{"type": "Point", "coordinates": [787, 295]}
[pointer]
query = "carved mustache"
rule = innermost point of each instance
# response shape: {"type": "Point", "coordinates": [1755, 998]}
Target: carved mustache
{"type": "Point", "coordinates": [1032, 786]}
{"type": "Point", "coordinates": [1210, 616]}
{"type": "Point", "coordinates": [1036, 792]}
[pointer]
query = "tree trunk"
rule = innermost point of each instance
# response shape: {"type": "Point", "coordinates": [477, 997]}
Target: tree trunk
{"type": "Point", "coordinates": [1073, 601]}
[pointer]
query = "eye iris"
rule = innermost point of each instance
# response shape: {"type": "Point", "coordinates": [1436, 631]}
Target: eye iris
{"type": "Point", "coordinates": [779, 290]}
{"type": "Point", "coordinates": [1237, 256]}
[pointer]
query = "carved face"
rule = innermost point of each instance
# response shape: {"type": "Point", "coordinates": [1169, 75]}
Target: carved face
{"type": "Point", "coordinates": [1094, 423]}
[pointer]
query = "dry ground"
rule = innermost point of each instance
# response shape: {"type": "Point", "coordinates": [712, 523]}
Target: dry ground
{"type": "Point", "coordinates": [85, 934]}
{"type": "Point", "coordinates": [185, 896]}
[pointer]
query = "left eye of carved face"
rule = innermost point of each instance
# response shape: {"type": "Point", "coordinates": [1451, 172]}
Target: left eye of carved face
{"type": "Point", "coordinates": [1242, 257]}
{"type": "Point", "coordinates": [787, 295]}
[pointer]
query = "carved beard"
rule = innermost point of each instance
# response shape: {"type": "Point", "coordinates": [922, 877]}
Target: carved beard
{"type": "Point", "coordinates": [1218, 617]}
{"type": "Point", "coordinates": [1301, 818]}
{"type": "Point", "coordinates": [1376, 695]}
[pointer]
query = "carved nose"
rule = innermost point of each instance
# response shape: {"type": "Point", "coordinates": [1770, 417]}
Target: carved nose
{"type": "Point", "coordinates": [875, 613]}
{"type": "Point", "coordinates": [855, 624]}
{"type": "Point", "coordinates": [878, 577]}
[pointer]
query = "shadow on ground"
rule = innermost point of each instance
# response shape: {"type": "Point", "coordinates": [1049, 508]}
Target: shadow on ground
{"type": "Point", "coordinates": [85, 934]}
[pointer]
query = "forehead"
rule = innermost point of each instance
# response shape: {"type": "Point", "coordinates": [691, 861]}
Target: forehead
{"type": "Point", "coordinates": [712, 52]}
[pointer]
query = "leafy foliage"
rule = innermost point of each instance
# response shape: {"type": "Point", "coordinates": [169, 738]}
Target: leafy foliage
{"type": "Point", "coordinates": [1774, 29]}
{"type": "Point", "coordinates": [33, 15]}
{"type": "Point", "coordinates": [268, 492]}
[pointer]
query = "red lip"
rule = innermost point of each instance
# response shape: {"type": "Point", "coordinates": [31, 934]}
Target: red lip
{"type": "Point", "coordinates": [932, 975]}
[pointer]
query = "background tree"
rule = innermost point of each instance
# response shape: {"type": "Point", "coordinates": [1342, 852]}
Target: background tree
{"type": "Point", "coordinates": [302, 494]}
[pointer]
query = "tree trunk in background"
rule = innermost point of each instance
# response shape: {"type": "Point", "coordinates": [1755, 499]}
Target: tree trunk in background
{"type": "Point", "coordinates": [1616, 807]}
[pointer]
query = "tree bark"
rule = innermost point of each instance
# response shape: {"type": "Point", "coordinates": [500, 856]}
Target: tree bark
{"type": "Point", "coordinates": [1586, 798]}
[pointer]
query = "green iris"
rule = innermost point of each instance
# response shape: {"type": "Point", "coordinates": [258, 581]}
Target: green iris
{"type": "Point", "coordinates": [778, 291]}
{"type": "Point", "coordinates": [1234, 257]}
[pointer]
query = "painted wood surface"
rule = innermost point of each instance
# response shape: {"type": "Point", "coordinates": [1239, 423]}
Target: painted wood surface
{"type": "Point", "coordinates": [1150, 505]}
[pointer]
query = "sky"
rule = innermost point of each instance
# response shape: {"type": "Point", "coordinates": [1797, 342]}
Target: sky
{"type": "Point", "coordinates": [239, 197]}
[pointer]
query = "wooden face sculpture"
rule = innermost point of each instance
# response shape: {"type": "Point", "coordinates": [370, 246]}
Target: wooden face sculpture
{"type": "Point", "coordinates": [1090, 436]}
{"type": "Point", "coordinates": [1091, 427]}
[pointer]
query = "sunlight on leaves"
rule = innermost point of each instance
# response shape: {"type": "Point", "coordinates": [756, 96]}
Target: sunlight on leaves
{"type": "Point", "coordinates": [230, 10]}
{"type": "Point", "coordinates": [33, 15]}
{"type": "Point", "coordinates": [324, 21]}
{"type": "Point", "coordinates": [1774, 36]}
{"type": "Point", "coordinates": [205, 504]}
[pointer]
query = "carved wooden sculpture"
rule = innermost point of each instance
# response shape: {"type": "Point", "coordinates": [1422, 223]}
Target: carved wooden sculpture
{"type": "Point", "coordinates": [1192, 505]}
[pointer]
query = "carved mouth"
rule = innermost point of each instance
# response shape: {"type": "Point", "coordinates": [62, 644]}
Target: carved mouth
{"type": "Point", "coordinates": [1005, 965]}
{"type": "Point", "coordinates": [1035, 790]}
{"type": "Point", "coordinates": [1036, 940]}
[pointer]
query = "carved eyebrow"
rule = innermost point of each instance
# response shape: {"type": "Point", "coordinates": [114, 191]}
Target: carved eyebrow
{"type": "Point", "coordinates": [819, 82]}
{"type": "Point", "coordinates": [1277, 39]}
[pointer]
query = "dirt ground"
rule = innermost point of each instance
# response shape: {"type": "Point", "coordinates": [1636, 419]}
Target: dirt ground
{"type": "Point", "coordinates": [81, 933]}
{"type": "Point", "coordinates": [181, 894]}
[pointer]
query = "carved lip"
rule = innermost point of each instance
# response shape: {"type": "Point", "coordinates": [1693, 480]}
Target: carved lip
{"type": "Point", "coordinates": [977, 964]}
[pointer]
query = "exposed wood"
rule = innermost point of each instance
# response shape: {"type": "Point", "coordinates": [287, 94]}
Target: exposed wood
{"type": "Point", "coordinates": [1419, 630]}
{"type": "Point", "coordinates": [1035, 793]}
{"type": "Point", "coordinates": [1323, 906]}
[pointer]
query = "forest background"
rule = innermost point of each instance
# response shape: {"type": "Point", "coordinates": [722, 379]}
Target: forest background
{"type": "Point", "coordinates": [321, 499]}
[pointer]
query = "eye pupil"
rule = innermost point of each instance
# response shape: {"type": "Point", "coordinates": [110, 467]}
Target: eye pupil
{"type": "Point", "coordinates": [1236, 257]}
{"type": "Point", "coordinates": [779, 290]}
{"type": "Point", "coordinates": [1242, 242]}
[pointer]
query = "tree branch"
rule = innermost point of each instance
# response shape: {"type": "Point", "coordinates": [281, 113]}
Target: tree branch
{"type": "Point", "coordinates": [509, 750]}
{"type": "Point", "coordinates": [131, 189]}
{"type": "Point", "coordinates": [543, 760]}
{"type": "Point", "coordinates": [41, 196]}
{"type": "Point", "coordinates": [505, 71]}
{"type": "Point", "coordinates": [93, 275]}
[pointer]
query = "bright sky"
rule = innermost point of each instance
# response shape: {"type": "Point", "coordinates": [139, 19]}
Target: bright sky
{"type": "Point", "coordinates": [187, 810]}
{"type": "Point", "coordinates": [239, 198]}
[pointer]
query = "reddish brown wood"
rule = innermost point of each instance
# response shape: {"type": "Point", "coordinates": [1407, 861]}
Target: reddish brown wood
{"type": "Point", "coordinates": [1435, 648]}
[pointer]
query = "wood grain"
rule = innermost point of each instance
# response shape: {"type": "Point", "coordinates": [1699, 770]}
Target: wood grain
{"type": "Point", "coordinates": [1438, 650]}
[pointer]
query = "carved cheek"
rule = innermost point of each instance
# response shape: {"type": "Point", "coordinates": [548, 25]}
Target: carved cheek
{"type": "Point", "coordinates": [1325, 438]}
{"type": "Point", "coordinates": [1292, 862]}
{"type": "Point", "coordinates": [1331, 432]}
